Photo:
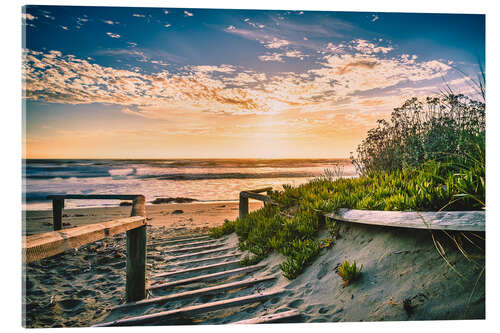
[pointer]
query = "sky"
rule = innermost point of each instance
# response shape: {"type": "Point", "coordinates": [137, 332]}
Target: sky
{"type": "Point", "coordinates": [112, 82]}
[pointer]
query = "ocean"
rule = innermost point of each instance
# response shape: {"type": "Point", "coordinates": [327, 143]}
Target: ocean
{"type": "Point", "coordinates": [201, 179]}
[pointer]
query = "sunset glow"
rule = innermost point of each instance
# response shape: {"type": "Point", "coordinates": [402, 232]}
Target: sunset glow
{"type": "Point", "coordinates": [174, 83]}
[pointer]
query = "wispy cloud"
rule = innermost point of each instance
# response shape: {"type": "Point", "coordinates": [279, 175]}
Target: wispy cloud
{"type": "Point", "coordinates": [29, 17]}
{"type": "Point", "coordinates": [186, 13]}
{"type": "Point", "coordinates": [112, 35]}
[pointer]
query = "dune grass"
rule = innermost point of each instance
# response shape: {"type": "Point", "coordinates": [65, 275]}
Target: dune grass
{"type": "Point", "coordinates": [411, 173]}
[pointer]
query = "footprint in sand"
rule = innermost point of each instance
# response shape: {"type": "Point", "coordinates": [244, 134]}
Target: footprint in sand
{"type": "Point", "coordinates": [323, 310]}
{"type": "Point", "coordinates": [295, 304]}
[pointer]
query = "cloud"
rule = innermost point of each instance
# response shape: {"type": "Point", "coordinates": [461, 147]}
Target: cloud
{"type": "Point", "coordinates": [168, 25]}
{"type": "Point", "coordinates": [29, 17]}
{"type": "Point", "coordinates": [345, 78]}
{"type": "Point", "coordinates": [188, 13]}
{"type": "Point", "coordinates": [264, 38]}
{"type": "Point", "coordinates": [366, 47]}
{"type": "Point", "coordinates": [277, 57]}
{"type": "Point", "coordinates": [138, 15]}
{"type": "Point", "coordinates": [209, 69]}
{"type": "Point", "coordinates": [112, 35]}
{"type": "Point", "coordinates": [276, 43]}
{"type": "Point", "coordinates": [64, 27]}
{"type": "Point", "coordinates": [109, 22]}
{"type": "Point", "coordinates": [166, 12]}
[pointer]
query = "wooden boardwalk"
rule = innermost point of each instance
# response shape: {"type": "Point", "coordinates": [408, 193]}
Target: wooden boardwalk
{"type": "Point", "coordinates": [213, 268]}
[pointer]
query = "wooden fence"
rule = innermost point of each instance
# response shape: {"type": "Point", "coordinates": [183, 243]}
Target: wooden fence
{"type": "Point", "coordinates": [254, 194]}
{"type": "Point", "coordinates": [36, 247]}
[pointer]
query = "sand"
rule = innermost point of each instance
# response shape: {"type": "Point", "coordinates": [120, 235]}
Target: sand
{"type": "Point", "coordinates": [194, 217]}
{"type": "Point", "coordinates": [78, 288]}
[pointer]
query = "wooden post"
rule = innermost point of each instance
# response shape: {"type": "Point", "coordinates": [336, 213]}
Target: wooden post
{"type": "Point", "coordinates": [243, 205]}
{"type": "Point", "coordinates": [136, 255]}
{"type": "Point", "coordinates": [57, 207]}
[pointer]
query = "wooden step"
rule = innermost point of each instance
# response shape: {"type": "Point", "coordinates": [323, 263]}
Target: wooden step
{"type": "Point", "coordinates": [196, 248]}
{"type": "Point", "coordinates": [180, 246]}
{"type": "Point", "coordinates": [170, 241]}
{"type": "Point", "coordinates": [195, 269]}
{"type": "Point", "coordinates": [202, 253]}
{"type": "Point", "coordinates": [236, 271]}
{"type": "Point", "coordinates": [197, 261]}
{"type": "Point", "coordinates": [271, 318]}
{"type": "Point", "coordinates": [190, 310]}
{"type": "Point", "coordinates": [197, 292]}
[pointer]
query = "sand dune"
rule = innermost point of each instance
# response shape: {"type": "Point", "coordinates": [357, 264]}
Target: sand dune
{"type": "Point", "coordinates": [404, 277]}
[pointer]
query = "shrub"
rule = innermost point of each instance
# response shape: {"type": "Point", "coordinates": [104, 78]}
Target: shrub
{"type": "Point", "coordinates": [349, 273]}
{"type": "Point", "coordinates": [422, 160]}
{"type": "Point", "coordinates": [441, 128]}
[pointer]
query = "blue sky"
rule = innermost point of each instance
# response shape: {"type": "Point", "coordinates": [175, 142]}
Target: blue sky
{"type": "Point", "coordinates": [174, 82]}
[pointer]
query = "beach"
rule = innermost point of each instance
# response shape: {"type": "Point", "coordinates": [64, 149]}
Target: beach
{"type": "Point", "coordinates": [177, 218]}
{"type": "Point", "coordinates": [76, 288]}
{"type": "Point", "coordinates": [80, 287]}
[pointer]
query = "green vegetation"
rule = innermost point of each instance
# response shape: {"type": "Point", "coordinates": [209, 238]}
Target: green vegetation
{"type": "Point", "coordinates": [349, 273]}
{"type": "Point", "coordinates": [421, 161]}
{"type": "Point", "coordinates": [445, 129]}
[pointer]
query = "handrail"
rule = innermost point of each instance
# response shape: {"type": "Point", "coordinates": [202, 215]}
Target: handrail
{"type": "Point", "coordinates": [253, 194]}
{"type": "Point", "coordinates": [36, 247]}
{"type": "Point", "coordinates": [58, 203]}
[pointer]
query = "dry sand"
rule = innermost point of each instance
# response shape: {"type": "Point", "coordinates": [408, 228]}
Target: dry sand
{"type": "Point", "coordinates": [194, 217]}
{"type": "Point", "coordinates": [79, 288]}
{"type": "Point", "coordinates": [75, 288]}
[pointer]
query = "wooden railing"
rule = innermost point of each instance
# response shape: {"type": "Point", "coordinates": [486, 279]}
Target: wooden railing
{"type": "Point", "coordinates": [254, 194]}
{"type": "Point", "coordinates": [36, 247]}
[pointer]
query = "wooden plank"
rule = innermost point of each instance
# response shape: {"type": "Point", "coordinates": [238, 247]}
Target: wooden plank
{"type": "Point", "coordinates": [184, 256]}
{"type": "Point", "coordinates": [190, 310]}
{"type": "Point", "coordinates": [57, 208]}
{"type": "Point", "coordinates": [198, 292]}
{"type": "Point", "coordinates": [452, 220]}
{"type": "Point", "coordinates": [195, 269]}
{"type": "Point", "coordinates": [197, 261]}
{"type": "Point", "coordinates": [170, 242]}
{"type": "Point", "coordinates": [260, 190]}
{"type": "Point", "coordinates": [184, 245]}
{"type": "Point", "coordinates": [236, 271]}
{"type": "Point", "coordinates": [136, 255]}
{"type": "Point", "coordinates": [271, 318]}
{"type": "Point", "coordinates": [255, 196]}
{"type": "Point", "coordinates": [196, 248]}
{"type": "Point", "coordinates": [36, 247]}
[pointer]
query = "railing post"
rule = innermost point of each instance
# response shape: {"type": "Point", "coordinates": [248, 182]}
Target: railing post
{"type": "Point", "coordinates": [136, 255]}
{"type": "Point", "coordinates": [243, 205]}
{"type": "Point", "coordinates": [57, 207]}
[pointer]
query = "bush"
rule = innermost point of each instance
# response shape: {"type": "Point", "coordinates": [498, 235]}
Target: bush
{"type": "Point", "coordinates": [423, 160]}
{"type": "Point", "coordinates": [442, 128]}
